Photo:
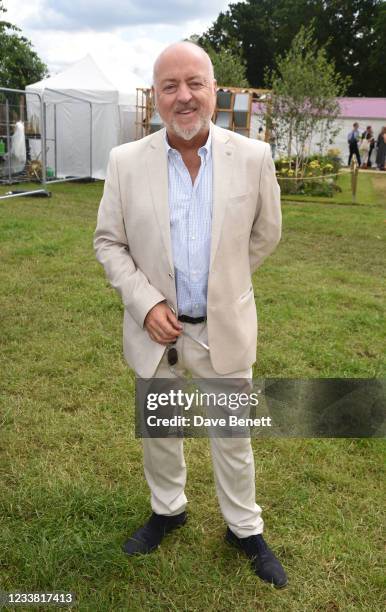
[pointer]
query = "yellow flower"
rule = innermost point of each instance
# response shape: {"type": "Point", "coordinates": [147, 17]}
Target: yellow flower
{"type": "Point", "coordinates": [314, 164]}
{"type": "Point", "coordinates": [290, 172]}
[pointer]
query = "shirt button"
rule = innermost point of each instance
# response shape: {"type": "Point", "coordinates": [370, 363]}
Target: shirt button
{"type": "Point", "coordinates": [193, 237]}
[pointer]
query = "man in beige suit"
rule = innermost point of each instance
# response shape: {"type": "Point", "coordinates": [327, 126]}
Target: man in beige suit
{"type": "Point", "coordinates": [187, 215]}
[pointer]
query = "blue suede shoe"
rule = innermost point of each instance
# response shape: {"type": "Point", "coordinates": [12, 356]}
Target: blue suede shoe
{"type": "Point", "coordinates": [264, 562]}
{"type": "Point", "coordinates": [149, 537]}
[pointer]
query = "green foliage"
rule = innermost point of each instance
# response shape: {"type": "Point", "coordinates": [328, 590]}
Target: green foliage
{"type": "Point", "coordinates": [228, 63]}
{"type": "Point", "coordinates": [304, 102]}
{"type": "Point", "coordinates": [326, 161]}
{"type": "Point", "coordinates": [229, 68]}
{"type": "Point", "coordinates": [371, 192]}
{"type": "Point", "coordinates": [353, 32]}
{"type": "Point", "coordinates": [316, 167]}
{"type": "Point", "coordinates": [20, 65]}
{"type": "Point", "coordinates": [319, 187]}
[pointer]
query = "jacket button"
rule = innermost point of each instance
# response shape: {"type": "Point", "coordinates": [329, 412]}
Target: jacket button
{"type": "Point", "coordinates": [171, 275]}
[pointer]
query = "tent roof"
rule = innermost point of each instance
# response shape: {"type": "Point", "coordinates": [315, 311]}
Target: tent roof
{"type": "Point", "coordinates": [84, 79]}
{"type": "Point", "coordinates": [84, 74]}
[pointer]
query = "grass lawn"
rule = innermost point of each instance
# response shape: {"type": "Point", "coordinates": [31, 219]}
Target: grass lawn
{"type": "Point", "coordinates": [72, 486]}
{"type": "Point", "coordinates": [371, 190]}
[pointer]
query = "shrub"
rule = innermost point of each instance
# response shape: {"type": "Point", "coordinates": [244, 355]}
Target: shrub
{"type": "Point", "coordinates": [312, 181]}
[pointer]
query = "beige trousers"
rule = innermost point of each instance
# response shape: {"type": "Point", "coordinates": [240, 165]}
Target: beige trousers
{"type": "Point", "coordinates": [233, 463]}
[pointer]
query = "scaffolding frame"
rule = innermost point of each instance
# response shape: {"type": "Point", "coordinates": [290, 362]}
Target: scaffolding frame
{"type": "Point", "coordinates": [44, 180]}
{"type": "Point", "coordinates": [10, 181]}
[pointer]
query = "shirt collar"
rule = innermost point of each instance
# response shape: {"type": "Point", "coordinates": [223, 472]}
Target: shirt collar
{"type": "Point", "coordinates": [205, 150]}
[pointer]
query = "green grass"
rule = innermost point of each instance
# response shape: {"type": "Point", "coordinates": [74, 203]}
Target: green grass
{"type": "Point", "coordinates": [72, 485]}
{"type": "Point", "coordinates": [370, 191]}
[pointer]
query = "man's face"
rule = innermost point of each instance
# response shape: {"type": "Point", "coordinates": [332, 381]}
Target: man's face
{"type": "Point", "coordinates": [185, 92]}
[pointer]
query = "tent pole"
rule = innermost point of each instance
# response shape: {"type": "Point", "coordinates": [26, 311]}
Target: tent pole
{"type": "Point", "coordinates": [55, 144]}
{"type": "Point", "coordinates": [8, 140]}
{"type": "Point", "coordinates": [91, 118]}
{"type": "Point", "coordinates": [43, 136]}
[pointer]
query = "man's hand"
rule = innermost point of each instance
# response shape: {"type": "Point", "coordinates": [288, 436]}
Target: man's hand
{"type": "Point", "coordinates": [162, 324]}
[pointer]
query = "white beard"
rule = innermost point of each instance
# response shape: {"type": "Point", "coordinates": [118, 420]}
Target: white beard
{"type": "Point", "coordinates": [188, 134]}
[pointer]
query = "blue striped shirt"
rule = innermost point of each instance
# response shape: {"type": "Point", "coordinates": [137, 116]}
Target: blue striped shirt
{"type": "Point", "coordinates": [191, 227]}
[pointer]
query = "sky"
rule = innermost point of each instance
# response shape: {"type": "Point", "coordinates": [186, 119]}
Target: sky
{"type": "Point", "coordinates": [123, 36]}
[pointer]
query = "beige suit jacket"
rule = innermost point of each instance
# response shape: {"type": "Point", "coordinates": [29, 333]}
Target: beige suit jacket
{"type": "Point", "coordinates": [132, 242]}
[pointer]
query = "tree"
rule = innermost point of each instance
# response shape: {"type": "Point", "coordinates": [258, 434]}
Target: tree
{"type": "Point", "coordinates": [20, 65]}
{"type": "Point", "coordinates": [228, 64]}
{"type": "Point", "coordinates": [229, 68]}
{"type": "Point", "coordinates": [376, 64]}
{"type": "Point", "coordinates": [352, 32]}
{"type": "Point", "coordinates": [303, 104]}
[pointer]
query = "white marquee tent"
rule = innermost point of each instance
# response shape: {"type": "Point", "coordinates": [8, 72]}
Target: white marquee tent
{"type": "Point", "coordinates": [85, 113]}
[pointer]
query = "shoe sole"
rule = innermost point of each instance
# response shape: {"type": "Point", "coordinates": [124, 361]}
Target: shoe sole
{"type": "Point", "coordinates": [237, 545]}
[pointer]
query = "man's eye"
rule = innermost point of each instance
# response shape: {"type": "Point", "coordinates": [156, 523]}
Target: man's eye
{"type": "Point", "coordinates": [195, 84]}
{"type": "Point", "coordinates": [169, 88]}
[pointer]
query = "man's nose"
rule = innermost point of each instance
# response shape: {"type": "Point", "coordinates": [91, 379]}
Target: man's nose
{"type": "Point", "coordinates": [184, 94]}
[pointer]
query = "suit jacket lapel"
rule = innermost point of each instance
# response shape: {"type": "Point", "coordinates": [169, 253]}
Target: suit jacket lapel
{"type": "Point", "coordinates": [158, 176]}
{"type": "Point", "coordinates": [222, 152]}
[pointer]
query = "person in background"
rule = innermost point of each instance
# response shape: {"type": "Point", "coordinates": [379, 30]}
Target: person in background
{"type": "Point", "coordinates": [364, 146]}
{"type": "Point", "coordinates": [368, 134]}
{"type": "Point", "coordinates": [381, 149]}
{"type": "Point", "coordinates": [353, 138]}
{"type": "Point", "coordinates": [260, 134]}
{"type": "Point", "coordinates": [272, 143]}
